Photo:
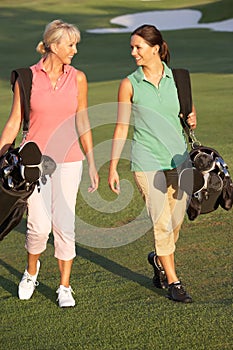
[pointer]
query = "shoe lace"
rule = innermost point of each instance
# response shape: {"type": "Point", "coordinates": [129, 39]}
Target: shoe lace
{"type": "Point", "coordinates": [65, 291]}
{"type": "Point", "coordinates": [180, 289]}
{"type": "Point", "coordinates": [28, 278]}
{"type": "Point", "coordinates": [70, 290]}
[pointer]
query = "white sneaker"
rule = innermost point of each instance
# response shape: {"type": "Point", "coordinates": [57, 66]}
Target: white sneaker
{"type": "Point", "coordinates": [65, 298]}
{"type": "Point", "coordinates": [28, 284]}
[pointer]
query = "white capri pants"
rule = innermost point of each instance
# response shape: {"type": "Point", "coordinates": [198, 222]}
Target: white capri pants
{"type": "Point", "coordinates": [53, 209]}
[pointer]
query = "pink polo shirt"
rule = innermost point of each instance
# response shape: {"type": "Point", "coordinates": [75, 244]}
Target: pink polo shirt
{"type": "Point", "coordinates": [52, 114]}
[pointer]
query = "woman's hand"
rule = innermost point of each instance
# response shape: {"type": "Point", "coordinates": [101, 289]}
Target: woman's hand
{"type": "Point", "coordinates": [192, 119]}
{"type": "Point", "coordinates": [114, 181]}
{"type": "Point", "coordinates": [94, 179]}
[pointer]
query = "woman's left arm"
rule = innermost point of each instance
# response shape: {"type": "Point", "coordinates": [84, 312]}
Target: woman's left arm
{"type": "Point", "coordinates": [84, 129]}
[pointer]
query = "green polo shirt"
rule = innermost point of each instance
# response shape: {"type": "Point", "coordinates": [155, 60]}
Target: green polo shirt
{"type": "Point", "coordinates": [158, 140]}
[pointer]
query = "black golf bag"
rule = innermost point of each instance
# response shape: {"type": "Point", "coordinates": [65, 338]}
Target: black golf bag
{"type": "Point", "coordinates": [207, 181]}
{"type": "Point", "coordinates": [18, 179]}
{"type": "Point", "coordinates": [211, 182]}
{"type": "Point", "coordinates": [20, 170]}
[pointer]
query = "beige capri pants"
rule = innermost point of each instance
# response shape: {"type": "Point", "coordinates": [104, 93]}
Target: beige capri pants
{"type": "Point", "coordinates": [166, 205]}
{"type": "Point", "coordinates": [53, 209]}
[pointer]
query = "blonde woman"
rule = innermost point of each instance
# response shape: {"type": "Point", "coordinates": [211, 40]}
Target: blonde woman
{"type": "Point", "coordinates": [58, 111]}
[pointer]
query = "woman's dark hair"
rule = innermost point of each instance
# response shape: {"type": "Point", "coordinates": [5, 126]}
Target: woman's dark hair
{"type": "Point", "coordinates": [153, 37]}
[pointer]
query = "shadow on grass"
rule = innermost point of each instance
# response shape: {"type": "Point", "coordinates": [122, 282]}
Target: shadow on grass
{"type": "Point", "coordinates": [85, 253]}
{"type": "Point", "coordinates": [116, 268]}
{"type": "Point", "coordinates": [12, 287]}
{"type": "Point", "coordinates": [95, 258]}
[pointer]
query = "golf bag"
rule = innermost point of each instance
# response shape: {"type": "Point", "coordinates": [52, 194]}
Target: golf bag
{"type": "Point", "coordinates": [18, 179]}
{"type": "Point", "coordinates": [21, 168]}
{"type": "Point", "coordinates": [212, 184]}
{"type": "Point", "coordinates": [208, 181]}
{"type": "Point", "coordinates": [20, 171]}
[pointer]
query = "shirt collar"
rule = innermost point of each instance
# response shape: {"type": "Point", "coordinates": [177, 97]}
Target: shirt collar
{"type": "Point", "coordinates": [139, 75]}
{"type": "Point", "coordinates": [40, 67]}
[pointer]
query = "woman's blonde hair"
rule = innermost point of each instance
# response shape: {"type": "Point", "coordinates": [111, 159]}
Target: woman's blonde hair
{"type": "Point", "coordinates": [53, 33]}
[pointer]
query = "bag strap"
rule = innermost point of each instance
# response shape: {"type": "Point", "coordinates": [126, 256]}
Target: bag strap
{"type": "Point", "coordinates": [183, 84]}
{"type": "Point", "coordinates": [24, 76]}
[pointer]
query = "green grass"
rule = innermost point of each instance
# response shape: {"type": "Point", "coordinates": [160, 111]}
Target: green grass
{"type": "Point", "coordinates": [117, 306]}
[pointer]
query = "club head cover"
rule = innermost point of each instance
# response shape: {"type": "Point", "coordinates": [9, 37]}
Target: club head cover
{"type": "Point", "coordinates": [30, 154]}
{"type": "Point", "coordinates": [48, 165]}
{"type": "Point", "coordinates": [204, 162]}
{"type": "Point", "coordinates": [191, 180]}
{"type": "Point", "coordinates": [30, 173]}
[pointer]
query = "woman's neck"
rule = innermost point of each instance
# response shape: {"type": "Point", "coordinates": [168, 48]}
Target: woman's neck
{"type": "Point", "coordinates": [156, 69]}
{"type": "Point", "coordinates": [52, 65]}
{"type": "Point", "coordinates": [154, 73]}
{"type": "Point", "coordinates": [54, 70]}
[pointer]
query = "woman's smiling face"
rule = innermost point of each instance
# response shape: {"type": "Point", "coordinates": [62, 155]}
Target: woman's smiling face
{"type": "Point", "coordinates": [142, 52]}
{"type": "Point", "coordinates": [66, 48]}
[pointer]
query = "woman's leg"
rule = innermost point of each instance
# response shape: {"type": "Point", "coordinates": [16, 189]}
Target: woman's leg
{"type": "Point", "coordinates": [65, 182]}
{"type": "Point", "coordinates": [38, 229]}
{"type": "Point", "coordinates": [168, 264]}
{"type": "Point", "coordinates": [174, 210]}
{"type": "Point", "coordinates": [65, 272]}
{"type": "Point", "coordinates": [161, 201]}
{"type": "Point", "coordinates": [38, 224]}
{"type": "Point", "coordinates": [153, 187]}
{"type": "Point", "coordinates": [32, 263]}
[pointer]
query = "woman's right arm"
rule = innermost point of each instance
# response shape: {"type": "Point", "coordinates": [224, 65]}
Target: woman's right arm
{"type": "Point", "coordinates": [12, 126]}
{"type": "Point", "coordinates": [120, 133]}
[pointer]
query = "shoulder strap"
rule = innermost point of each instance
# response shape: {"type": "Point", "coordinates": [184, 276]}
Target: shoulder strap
{"type": "Point", "coordinates": [183, 84]}
{"type": "Point", "coordinates": [25, 81]}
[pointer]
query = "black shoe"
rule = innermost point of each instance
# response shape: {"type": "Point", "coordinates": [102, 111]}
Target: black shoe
{"type": "Point", "coordinates": [176, 292]}
{"type": "Point", "coordinates": [160, 278]}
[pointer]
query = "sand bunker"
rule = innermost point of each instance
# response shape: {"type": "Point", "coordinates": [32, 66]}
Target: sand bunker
{"type": "Point", "coordinates": [164, 20]}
